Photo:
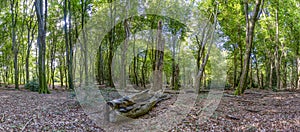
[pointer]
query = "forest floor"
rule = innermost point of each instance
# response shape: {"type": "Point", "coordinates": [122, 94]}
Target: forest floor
{"type": "Point", "coordinates": [256, 110]}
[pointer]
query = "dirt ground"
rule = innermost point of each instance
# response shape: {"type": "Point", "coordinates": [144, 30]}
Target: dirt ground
{"type": "Point", "coordinates": [256, 110]}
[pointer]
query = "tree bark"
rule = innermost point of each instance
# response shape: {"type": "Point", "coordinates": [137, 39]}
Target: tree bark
{"type": "Point", "coordinates": [278, 56]}
{"type": "Point", "coordinates": [70, 56]}
{"type": "Point", "coordinates": [15, 46]}
{"type": "Point", "coordinates": [234, 66]}
{"type": "Point", "coordinates": [52, 58]}
{"type": "Point", "coordinates": [271, 75]}
{"type": "Point", "coordinates": [111, 45]}
{"type": "Point", "coordinates": [159, 57]}
{"type": "Point", "coordinates": [134, 105]}
{"type": "Point", "coordinates": [30, 37]}
{"type": "Point", "coordinates": [135, 64]}
{"type": "Point", "coordinates": [257, 72]}
{"type": "Point", "coordinates": [298, 72]}
{"type": "Point", "coordinates": [250, 26]}
{"type": "Point", "coordinates": [42, 17]}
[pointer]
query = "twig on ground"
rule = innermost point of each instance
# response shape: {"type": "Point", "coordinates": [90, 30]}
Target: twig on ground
{"type": "Point", "coordinates": [229, 95]}
{"type": "Point", "coordinates": [3, 118]}
{"type": "Point", "coordinates": [232, 117]}
{"type": "Point", "coordinates": [26, 124]}
{"type": "Point", "coordinates": [252, 110]}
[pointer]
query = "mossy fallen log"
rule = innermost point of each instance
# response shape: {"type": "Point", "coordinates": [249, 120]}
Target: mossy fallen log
{"type": "Point", "coordinates": [134, 105]}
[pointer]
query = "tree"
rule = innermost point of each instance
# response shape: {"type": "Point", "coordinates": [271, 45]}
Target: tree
{"type": "Point", "coordinates": [14, 17]}
{"type": "Point", "coordinates": [41, 41]}
{"type": "Point", "coordinates": [250, 26]}
{"type": "Point", "coordinates": [68, 42]}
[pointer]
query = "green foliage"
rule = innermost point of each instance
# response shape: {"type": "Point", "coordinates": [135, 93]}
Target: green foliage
{"type": "Point", "coordinates": [32, 85]}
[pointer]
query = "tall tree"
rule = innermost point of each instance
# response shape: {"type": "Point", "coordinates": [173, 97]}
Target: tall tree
{"type": "Point", "coordinates": [41, 42]}
{"type": "Point", "coordinates": [30, 36]}
{"type": "Point", "coordinates": [159, 57]}
{"type": "Point", "coordinates": [68, 42]}
{"type": "Point", "coordinates": [250, 26]}
{"type": "Point", "coordinates": [15, 46]}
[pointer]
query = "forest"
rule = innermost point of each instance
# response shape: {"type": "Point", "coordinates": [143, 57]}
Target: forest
{"type": "Point", "coordinates": [160, 65]}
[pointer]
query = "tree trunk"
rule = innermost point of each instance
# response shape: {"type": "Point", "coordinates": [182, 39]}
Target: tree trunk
{"type": "Point", "coordinates": [271, 76]}
{"type": "Point", "coordinates": [204, 61]}
{"type": "Point", "coordinates": [30, 37]}
{"type": "Point", "coordinates": [234, 66]}
{"type": "Point", "coordinates": [144, 69]}
{"type": "Point", "coordinates": [250, 26]}
{"type": "Point", "coordinates": [111, 45]}
{"type": "Point", "coordinates": [70, 56]}
{"type": "Point", "coordinates": [262, 80]}
{"type": "Point", "coordinates": [52, 59]}
{"type": "Point", "coordinates": [159, 55]}
{"type": "Point", "coordinates": [135, 64]}
{"type": "Point", "coordinates": [42, 17]}
{"type": "Point", "coordinates": [15, 46]}
{"type": "Point", "coordinates": [66, 34]}
{"type": "Point", "coordinates": [174, 66]}
{"type": "Point", "coordinates": [298, 72]}
{"type": "Point", "coordinates": [251, 73]}
{"type": "Point", "coordinates": [278, 58]}
{"type": "Point", "coordinates": [257, 71]}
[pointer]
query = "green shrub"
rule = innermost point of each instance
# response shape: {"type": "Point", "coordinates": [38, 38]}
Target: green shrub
{"type": "Point", "coordinates": [32, 85]}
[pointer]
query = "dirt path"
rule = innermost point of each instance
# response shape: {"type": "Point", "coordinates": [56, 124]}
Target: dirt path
{"type": "Point", "coordinates": [256, 110]}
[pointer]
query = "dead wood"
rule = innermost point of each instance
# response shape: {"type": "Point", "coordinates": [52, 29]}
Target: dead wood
{"type": "Point", "coordinates": [135, 105]}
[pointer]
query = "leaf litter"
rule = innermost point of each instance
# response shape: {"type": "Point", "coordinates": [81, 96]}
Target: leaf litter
{"type": "Point", "coordinates": [256, 110]}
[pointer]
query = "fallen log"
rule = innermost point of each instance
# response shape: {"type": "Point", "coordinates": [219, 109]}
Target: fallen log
{"type": "Point", "coordinates": [135, 105]}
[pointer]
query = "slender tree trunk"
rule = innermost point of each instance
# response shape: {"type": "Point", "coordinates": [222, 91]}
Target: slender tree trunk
{"type": "Point", "coordinates": [298, 72]}
{"type": "Point", "coordinates": [66, 34]}
{"type": "Point", "coordinates": [251, 74]}
{"type": "Point", "coordinates": [257, 72]}
{"type": "Point", "coordinates": [262, 80]}
{"type": "Point", "coordinates": [204, 61]}
{"type": "Point", "coordinates": [61, 73]}
{"type": "Point", "coordinates": [29, 34]}
{"type": "Point", "coordinates": [278, 58]}
{"type": "Point", "coordinates": [234, 66]}
{"type": "Point", "coordinates": [144, 69]}
{"type": "Point", "coordinates": [271, 75]}
{"type": "Point", "coordinates": [14, 14]}
{"type": "Point", "coordinates": [135, 64]}
{"type": "Point", "coordinates": [241, 54]}
{"type": "Point", "coordinates": [284, 84]}
{"type": "Point", "coordinates": [175, 66]}
{"type": "Point", "coordinates": [52, 58]}
{"type": "Point", "coordinates": [70, 56]}
{"type": "Point", "coordinates": [30, 38]}
{"type": "Point", "coordinates": [76, 50]}
{"type": "Point", "coordinates": [297, 78]}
